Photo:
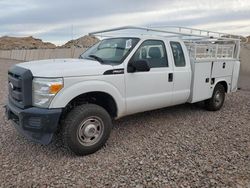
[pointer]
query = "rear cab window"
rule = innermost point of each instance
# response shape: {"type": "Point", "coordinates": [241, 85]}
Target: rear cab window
{"type": "Point", "coordinates": [178, 54]}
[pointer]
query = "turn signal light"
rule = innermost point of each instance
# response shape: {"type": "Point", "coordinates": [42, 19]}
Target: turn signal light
{"type": "Point", "coordinates": [55, 88]}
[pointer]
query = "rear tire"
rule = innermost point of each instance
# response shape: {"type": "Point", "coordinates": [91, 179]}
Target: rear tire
{"type": "Point", "coordinates": [217, 100]}
{"type": "Point", "coordinates": [86, 129]}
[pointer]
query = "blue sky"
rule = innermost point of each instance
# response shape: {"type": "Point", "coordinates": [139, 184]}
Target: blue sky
{"type": "Point", "coordinates": [53, 20]}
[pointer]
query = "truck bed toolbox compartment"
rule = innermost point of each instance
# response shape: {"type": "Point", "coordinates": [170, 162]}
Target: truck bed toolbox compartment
{"type": "Point", "coordinates": [222, 68]}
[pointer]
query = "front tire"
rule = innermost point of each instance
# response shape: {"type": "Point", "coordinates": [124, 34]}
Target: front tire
{"type": "Point", "coordinates": [86, 129]}
{"type": "Point", "coordinates": [216, 102]}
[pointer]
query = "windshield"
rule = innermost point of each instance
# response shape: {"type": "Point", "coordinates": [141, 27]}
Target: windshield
{"type": "Point", "coordinates": [110, 51]}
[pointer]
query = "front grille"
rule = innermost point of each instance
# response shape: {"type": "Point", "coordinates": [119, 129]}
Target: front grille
{"type": "Point", "coordinates": [15, 87]}
{"type": "Point", "coordinates": [20, 86]}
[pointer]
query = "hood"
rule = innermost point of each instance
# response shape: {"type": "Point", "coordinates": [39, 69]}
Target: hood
{"type": "Point", "coordinates": [65, 67]}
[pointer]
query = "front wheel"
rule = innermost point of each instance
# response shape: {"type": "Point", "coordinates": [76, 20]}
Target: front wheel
{"type": "Point", "coordinates": [86, 129]}
{"type": "Point", "coordinates": [216, 102]}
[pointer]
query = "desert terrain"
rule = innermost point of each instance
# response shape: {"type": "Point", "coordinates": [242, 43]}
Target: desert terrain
{"type": "Point", "coordinates": [181, 146]}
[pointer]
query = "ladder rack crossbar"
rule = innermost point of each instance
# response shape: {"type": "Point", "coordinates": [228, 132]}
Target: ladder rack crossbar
{"type": "Point", "coordinates": [208, 32]}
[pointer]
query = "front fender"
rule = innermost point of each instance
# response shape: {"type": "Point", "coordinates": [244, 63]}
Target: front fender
{"type": "Point", "coordinates": [70, 91]}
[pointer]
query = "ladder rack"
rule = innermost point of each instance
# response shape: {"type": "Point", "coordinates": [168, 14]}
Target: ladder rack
{"type": "Point", "coordinates": [181, 32]}
{"type": "Point", "coordinates": [202, 44]}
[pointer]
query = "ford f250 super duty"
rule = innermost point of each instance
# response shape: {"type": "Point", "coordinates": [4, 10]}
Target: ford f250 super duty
{"type": "Point", "coordinates": [123, 74]}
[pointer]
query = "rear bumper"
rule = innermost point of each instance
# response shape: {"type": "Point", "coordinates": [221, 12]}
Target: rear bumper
{"type": "Point", "coordinates": [34, 123]}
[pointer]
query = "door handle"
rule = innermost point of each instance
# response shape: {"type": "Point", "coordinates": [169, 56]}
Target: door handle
{"type": "Point", "coordinates": [170, 77]}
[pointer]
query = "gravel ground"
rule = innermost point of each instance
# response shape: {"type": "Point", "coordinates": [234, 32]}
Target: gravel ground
{"type": "Point", "coordinates": [182, 146]}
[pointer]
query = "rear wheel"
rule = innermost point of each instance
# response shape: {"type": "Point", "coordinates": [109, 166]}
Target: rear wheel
{"type": "Point", "coordinates": [86, 129]}
{"type": "Point", "coordinates": [217, 100]}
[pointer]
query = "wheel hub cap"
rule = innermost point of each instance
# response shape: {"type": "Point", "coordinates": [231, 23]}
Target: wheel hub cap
{"type": "Point", "coordinates": [90, 131]}
{"type": "Point", "coordinates": [218, 98]}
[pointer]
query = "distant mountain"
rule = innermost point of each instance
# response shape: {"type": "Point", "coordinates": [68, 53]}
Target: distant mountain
{"type": "Point", "coordinates": [10, 43]}
{"type": "Point", "coordinates": [83, 42]}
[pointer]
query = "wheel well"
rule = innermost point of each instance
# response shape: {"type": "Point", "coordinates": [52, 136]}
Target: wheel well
{"type": "Point", "coordinates": [224, 84]}
{"type": "Point", "coordinates": [99, 98]}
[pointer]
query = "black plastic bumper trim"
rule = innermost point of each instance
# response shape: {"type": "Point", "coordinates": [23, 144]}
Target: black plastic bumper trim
{"type": "Point", "coordinates": [36, 124]}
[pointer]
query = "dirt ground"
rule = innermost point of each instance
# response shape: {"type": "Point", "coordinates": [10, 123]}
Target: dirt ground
{"type": "Point", "coordinates": [182, 146]}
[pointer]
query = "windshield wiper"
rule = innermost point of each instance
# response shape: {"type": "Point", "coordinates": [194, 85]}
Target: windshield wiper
{"type": "Point", "coordinates": [97, 58]}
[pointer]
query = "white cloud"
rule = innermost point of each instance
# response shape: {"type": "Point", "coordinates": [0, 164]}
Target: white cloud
{"type": "Point", "coordinates": [52, 20]}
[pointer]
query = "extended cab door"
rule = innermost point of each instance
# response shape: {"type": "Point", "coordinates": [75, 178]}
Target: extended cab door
{"type": "Point", "coordinates": [182, 72]}
{"type": "Point", "coordinates": [152, 89]}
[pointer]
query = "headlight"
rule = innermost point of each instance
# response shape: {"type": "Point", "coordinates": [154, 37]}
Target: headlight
{"type": "Point", "coordinates": [44, 90]}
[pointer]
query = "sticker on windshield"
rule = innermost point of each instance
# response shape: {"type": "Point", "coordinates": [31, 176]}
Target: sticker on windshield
{"type": "Point", "coordinates": [128, 44]}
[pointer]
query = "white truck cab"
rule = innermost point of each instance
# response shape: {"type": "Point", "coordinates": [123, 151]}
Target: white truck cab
{"type": "Point", "coordinates": [119, 76]}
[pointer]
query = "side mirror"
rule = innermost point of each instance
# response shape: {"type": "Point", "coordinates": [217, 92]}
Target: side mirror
{"type": "Point", "coordinates": [140, 66]}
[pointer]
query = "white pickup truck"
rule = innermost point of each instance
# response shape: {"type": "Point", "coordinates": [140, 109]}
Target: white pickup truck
{"type": "Point", "coordinates": [123, 74]}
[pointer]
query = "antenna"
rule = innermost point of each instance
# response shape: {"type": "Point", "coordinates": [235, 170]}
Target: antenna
{"type": "Point", "coordinates": [72, 39]}
{"type": "Point", "coordinates": [72, 33]}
